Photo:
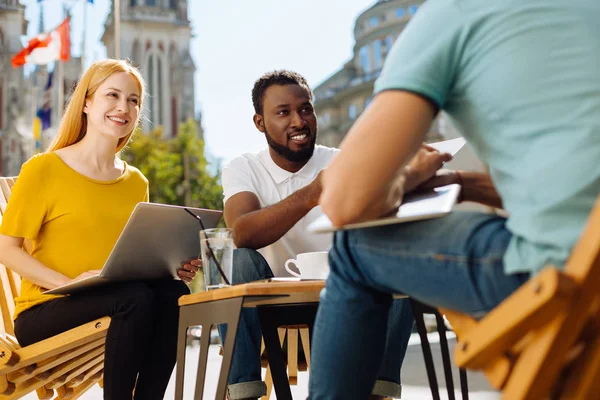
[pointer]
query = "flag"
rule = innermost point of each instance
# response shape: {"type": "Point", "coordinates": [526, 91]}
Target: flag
{"type": "Point", "coordinates": [46, 47]}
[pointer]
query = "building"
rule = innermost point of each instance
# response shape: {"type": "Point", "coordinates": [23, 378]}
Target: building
{"type": "Point", "coordinates": [156, 35]}
{"type": "Point", "coordinates": [341, 98]}
{"type": "Point", "coordinates": [13, 96]}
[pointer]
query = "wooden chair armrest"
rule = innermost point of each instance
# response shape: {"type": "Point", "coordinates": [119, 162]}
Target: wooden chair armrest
{"type": "Point", "coordinates": [531, 306]}
{"type": "Point", "coordinates": [54, 346]}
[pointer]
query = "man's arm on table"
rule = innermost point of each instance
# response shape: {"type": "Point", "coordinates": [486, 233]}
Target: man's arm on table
{"type": "Point", "coordinates": [255, 227]}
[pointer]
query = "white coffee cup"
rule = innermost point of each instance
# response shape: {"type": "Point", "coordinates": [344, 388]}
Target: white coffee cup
{"type": "Point", "coordinates": [313, 265]}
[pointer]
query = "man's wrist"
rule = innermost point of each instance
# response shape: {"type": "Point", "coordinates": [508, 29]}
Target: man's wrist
{"type": "Point", "coordinates": [459, 180]}
{"type": "Point", "coordinates": [411, 179]}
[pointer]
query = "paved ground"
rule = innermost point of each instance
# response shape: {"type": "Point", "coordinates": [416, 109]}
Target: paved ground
{"type": "Point", "coordinates": [413, 375]}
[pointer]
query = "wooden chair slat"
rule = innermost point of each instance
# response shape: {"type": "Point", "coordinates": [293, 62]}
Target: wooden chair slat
{"type": "Point", "coordinates": [305, 338]}
{"type": "Point", "coordinates": [4, 194]}
{"type": "Point", "coordinates": [292, 350]}
{"type": "Point", "coordinates": [44, 394]}
{"type": "Point", "coordinates": [7, 302]}
{"type": "Point", "coordinates": [81, 389]}
{"type": "Point", "coordinates": [53, 362]}
{"type": "Point", "coordinates": [534, 304]}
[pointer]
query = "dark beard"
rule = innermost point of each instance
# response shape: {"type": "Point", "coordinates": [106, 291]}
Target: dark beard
{"type": "Point", "coordinates": [294, 156]}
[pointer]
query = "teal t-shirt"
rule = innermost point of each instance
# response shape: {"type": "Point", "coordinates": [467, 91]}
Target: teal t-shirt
{"type": "Point", "coordinates": [520, 79]}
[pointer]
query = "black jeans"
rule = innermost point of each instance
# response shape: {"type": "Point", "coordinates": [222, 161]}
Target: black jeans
{"type": "Point", "coordinates": [141, 341]}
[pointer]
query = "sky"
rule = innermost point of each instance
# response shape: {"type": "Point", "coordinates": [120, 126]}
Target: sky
{"type": "Point", "coordinates": [235, 41]}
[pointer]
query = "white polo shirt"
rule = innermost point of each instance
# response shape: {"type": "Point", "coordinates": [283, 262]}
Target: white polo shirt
{"type": "Point", "coordinates": [258, 173]}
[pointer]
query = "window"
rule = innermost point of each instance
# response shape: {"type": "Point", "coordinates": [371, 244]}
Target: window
{"type": "Point", "coordinates": [159, 94]}
{"type": "Point", "coordinates": [173, 4]}
{"type": "Point", "coordinates": [132, 2]}
{"type": "Point", "coordinates": [400, 13]}
{"type": "Point", "coordinates": [378, 54]}
{"type": "Point", "coordinates": [373, 21]}
{"type": "Point", "coordinates": [389, 42]}
{"type": "Point", "coordinates": [413, 9]}
{"type": "Point", "coordinates": [365, 59]}
{"type": "Point", "coordinates": [151, 88]}
{"type": "Point", "coordinates": [150, 2]}
{"type": "Point", "coordinates": [352, 111]}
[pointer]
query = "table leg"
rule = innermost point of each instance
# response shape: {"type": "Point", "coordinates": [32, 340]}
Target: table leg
{"type": "Point", "coordinates": [207, 315]}
{"type": "Point", "coordinates": [202, 359]}
{"type": "Point", "coordinates": [271, 317]}
{"type": "Point", "coordinates": [181, 343]}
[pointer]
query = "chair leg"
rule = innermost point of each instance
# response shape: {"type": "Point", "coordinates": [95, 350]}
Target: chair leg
{"type": "Point", "coordinates": [441, 328]}
{"type": "Point", "coordinates": [292, 334]}
{"type": "Point", "coordinates": [304, 335]}
{"type": "Point", "coordinates": [427, 357]}
{"type": "Point", "coordinates": [464, 384]}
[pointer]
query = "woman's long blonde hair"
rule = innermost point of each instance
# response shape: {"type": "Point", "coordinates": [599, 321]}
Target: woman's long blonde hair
{"type": "Point", "coordinates": [73, 125]}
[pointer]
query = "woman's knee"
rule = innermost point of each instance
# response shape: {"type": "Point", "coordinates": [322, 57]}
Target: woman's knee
{"type": "Point", "coordinates": [170, 289]}
{"type": "Point", "coordinates": [134, 295]}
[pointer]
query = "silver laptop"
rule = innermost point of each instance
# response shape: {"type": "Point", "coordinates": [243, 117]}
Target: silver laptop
{"type": "Point", "coordinates": [154, 242]}
{"type": "Point", "coordinates": [435, 203]}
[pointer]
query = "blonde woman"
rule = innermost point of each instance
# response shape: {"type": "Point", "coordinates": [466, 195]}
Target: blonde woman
{"type": "Point", "coordinates": [72, 202]}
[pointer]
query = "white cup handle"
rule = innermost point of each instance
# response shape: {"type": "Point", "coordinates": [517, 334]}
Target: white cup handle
{"type": "Point", "coordinates": [287, 268]}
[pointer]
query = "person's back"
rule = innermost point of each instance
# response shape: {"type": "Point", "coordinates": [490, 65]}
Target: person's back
{"type": "Point", "coordinates": [519, 78]}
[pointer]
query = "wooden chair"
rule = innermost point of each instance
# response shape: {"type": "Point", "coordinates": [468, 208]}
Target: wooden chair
{"type": "Point", "coordinates": [543, 341]}
{"type": "Point", "coordinates": [69, 363]}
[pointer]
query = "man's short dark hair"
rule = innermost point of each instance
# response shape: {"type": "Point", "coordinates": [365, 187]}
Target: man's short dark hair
{"type": "Point", "coordinates": [278, 77]}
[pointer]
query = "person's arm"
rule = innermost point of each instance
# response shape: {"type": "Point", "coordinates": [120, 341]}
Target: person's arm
{"type": "Point", "coordinates": [255, 227]}
{"type": "Point", "coordinates": [358, 185]}
{"type": "Point", "coordinates": [477, 187]}
{"type": "Point", "coordinates": [14, 257]}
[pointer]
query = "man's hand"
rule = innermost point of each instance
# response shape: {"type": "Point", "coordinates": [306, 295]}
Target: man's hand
{"type": "Point", "coordinates": [315, 188]}
{"type": "Point", "coordinates": [189, 269]}
{"type": "Point", "coordinates": [423, 166]}
{"type": "Point", "coordinates": [442, 177]}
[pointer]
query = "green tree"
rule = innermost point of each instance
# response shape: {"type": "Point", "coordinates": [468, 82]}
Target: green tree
{"type": "Point", "coordinates": [176, 168]}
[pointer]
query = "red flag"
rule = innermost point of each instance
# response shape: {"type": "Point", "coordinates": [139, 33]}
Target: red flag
{"type": "Point", "coordinates": [46, 47]}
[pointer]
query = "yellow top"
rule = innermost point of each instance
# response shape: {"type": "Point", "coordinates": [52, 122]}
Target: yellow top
{"type": "Point", "coordinates": [73, 221]}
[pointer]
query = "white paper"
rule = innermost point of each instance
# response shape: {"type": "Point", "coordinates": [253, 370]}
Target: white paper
{"type": "Point", "coordinates": [451, 146]}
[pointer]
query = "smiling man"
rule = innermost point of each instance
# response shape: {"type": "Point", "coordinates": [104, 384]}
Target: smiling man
{"type": "Point", "coordinates": [270, 199]}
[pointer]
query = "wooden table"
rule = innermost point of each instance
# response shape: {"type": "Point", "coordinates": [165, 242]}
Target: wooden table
{"type": "Point", "coordinates": [278, 303]}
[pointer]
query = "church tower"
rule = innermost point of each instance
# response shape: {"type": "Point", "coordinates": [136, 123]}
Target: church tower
{"type": "Point", "coordinates": [156, 35]}
{"type": "Point", "coordinates": [12, 87]}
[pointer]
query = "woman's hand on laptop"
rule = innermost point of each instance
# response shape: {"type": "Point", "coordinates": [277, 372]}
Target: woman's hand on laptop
{"type": "Point", "coordinates": [189, 269]}
{"type": "Point", "coordinates": [86, 274]}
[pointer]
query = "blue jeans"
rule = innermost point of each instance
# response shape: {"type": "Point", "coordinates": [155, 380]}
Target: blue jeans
{"type": "Point", "coordinates": [455, 262]}
{"type": "Point", "coordinates": [245, 375]}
